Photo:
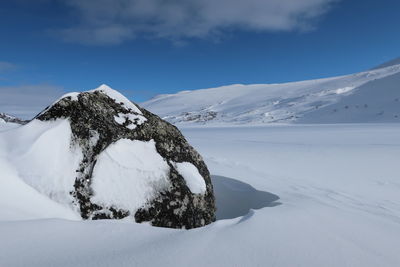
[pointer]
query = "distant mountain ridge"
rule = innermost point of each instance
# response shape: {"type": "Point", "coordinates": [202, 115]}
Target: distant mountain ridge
{"type": "Point", "coordinates": [11, 119]}
{"type": "Point", "coordinates": [392, 62]}
{"type": "Point", "coordinates": [370, 96]}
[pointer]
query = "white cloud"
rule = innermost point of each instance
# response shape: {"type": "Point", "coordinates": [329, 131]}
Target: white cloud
{"type": "Point", "coordinates": [114, 21]}
{"type": "Point", "coordinates": [26, 101]}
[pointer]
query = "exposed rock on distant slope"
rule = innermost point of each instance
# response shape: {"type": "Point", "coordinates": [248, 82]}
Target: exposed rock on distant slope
{"type": "Point", "coordinates": [128, 162]}
{"type": "Point", "coordinates": [332, 100]}
{"type": "Point", "coordinates": [8, 118]}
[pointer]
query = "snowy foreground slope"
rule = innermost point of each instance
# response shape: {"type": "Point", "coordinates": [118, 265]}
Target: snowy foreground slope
{"type": "Point", "coordinates": [371, 96]}
{"type": "Point", "coordinates": [339, 193]}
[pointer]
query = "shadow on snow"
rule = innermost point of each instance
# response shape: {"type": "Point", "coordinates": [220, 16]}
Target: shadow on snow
{"type": "Point", "coordinates": [235, 198]}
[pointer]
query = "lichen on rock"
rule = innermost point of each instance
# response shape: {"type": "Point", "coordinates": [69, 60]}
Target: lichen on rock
{"type": "Point", "coordinates": [100, 118]}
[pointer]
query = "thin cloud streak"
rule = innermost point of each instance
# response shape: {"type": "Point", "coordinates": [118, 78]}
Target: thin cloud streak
{"type": "Point", "coordinates": [109, 22]}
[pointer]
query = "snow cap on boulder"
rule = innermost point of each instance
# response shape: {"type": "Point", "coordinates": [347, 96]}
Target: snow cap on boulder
{"type": "Point", "coordinates": [134, 164]}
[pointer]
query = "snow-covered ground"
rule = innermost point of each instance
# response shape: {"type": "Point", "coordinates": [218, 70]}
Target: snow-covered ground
{"type": "Point", "coordinates": [370, 96]}
{"type": "Point", "coordinates": [339, 205]}
{"type": "Point", "coordinates": [306, 193]}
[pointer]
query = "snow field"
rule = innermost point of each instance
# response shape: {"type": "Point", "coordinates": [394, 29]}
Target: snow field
{"type": "Point", "coordinates": [339, 193]}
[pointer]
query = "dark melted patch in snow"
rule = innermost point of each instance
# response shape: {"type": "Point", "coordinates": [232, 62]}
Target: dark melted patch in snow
{"type": "Point", "coordinates": [235, 198]}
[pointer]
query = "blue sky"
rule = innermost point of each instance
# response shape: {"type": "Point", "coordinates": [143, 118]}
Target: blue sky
{"type": "Point", "coordinates": [147, 48]}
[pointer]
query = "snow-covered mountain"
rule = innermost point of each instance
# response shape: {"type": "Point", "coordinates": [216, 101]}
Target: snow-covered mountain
{"type": "Point", "coordinates": [370, 96]}
{"type": "Point", "coordinates": [389, 63]}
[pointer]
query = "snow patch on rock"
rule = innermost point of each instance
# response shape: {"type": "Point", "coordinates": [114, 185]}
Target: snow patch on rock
{"type": "Point", "coordinates": [120, 119]}
{"type": "Point", "coordinates": [131, 120]}
{"type": "Point", "coordinates": [72, 95]}
{"type": "Point", "coordinates": [129, 174]}
{"type": "Point", "coordinates": [119, 98]}
{"type": "Point", "coordinates": [94, 138]}
{"type": "Point", "coordinates": [193, 179]}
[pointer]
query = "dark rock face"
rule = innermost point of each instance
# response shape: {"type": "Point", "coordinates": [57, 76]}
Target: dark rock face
{"type": "Point", "coordinates": [12, 119]}
{"type": "Point", "coordinates": [93, 115]}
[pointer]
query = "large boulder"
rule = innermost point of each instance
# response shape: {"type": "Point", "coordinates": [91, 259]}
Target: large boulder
{"type": "Point", "coordinates": [132, 164]}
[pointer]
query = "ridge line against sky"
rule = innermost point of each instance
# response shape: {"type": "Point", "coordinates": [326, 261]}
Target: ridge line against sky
{"type": "Point", "coordinates": [150, 47]}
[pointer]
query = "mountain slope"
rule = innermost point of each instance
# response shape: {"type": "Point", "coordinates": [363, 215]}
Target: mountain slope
{"type": "Point", "coordinates": [313, 101]}
{"type": "Point", "coordinates": [375, 101]}
{"type": "Point", "coordinates": [392, 62]}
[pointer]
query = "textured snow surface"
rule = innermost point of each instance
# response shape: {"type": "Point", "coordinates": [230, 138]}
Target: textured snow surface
{"type": "Point", "coordinates": [371, 96]}
{"type": "Point", "coordinates": [193, 178]}
{"type": "Point", "coordinates": [128, 174]}
{"type": "Point", "coordinates": [30, 165]}
{"type": "Point", "coordinates": [339, 191]}
{"type": "Point", "coordinates": [42, 153]}
{"type": "Point", "coordinates": [7, 125]}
